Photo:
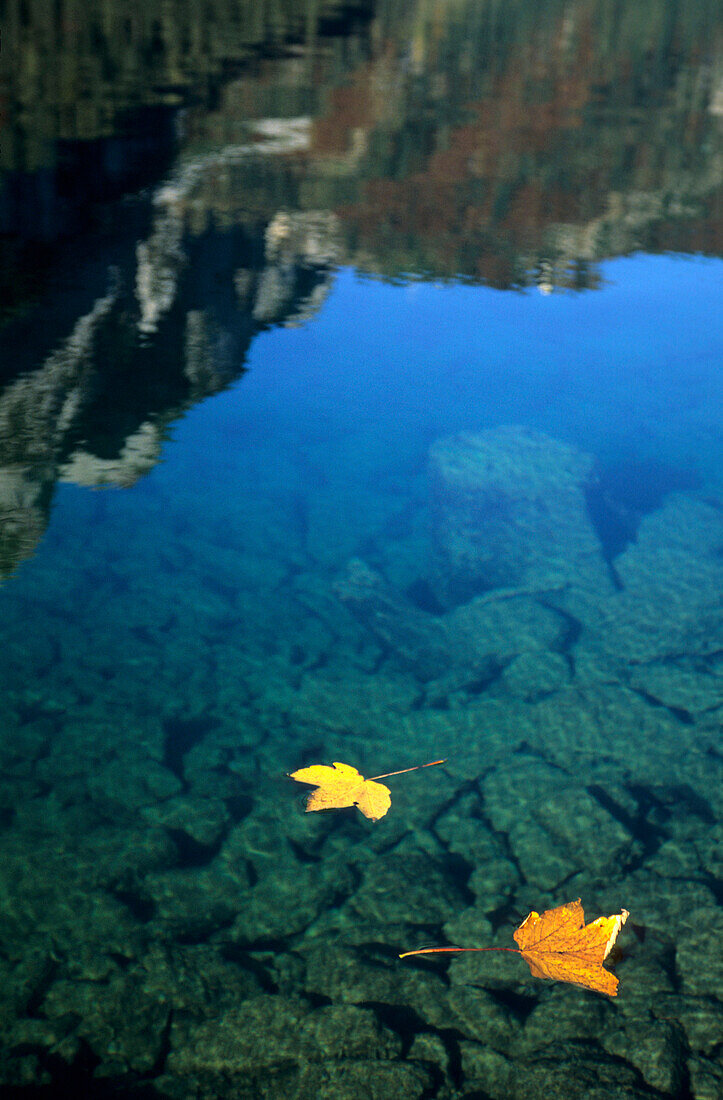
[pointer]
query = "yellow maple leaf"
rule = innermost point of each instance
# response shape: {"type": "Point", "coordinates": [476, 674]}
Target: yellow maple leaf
{"type": "Point", "coordinates": [342, 785]}
{"type": "Point", "coordinates": [558, 944]}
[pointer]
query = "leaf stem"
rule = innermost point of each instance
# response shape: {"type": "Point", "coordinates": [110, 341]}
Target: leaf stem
{"type": "Point", "coordinates": [403, 770]}
{"type": "Point", "coordinates": [445, 950]}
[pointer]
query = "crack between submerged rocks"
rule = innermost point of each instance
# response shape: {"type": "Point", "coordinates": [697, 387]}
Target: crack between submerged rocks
{"type": "Point", "coordinates": [680, 713]}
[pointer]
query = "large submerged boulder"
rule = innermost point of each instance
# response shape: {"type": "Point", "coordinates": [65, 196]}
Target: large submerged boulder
{"type": "Point", "coordinates": [509, 511]}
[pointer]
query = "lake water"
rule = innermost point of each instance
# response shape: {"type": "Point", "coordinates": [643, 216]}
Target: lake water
{"type": "Point", "coordinates": [361, 401]}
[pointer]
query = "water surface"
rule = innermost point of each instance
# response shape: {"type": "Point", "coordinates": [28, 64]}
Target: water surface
{"type": "Point", "coordinates": [360, 401]}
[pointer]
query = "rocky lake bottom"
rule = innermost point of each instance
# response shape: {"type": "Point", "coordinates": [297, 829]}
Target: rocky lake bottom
{"type": "Point", "coordinates": [172, 924]}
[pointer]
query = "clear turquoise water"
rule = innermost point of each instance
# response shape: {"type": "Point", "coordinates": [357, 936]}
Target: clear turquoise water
{"type": "Point", "coordinates": [173, 648]}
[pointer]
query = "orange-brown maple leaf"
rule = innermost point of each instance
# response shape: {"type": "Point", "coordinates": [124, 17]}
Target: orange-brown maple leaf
{"type": "Point", "coordinates": [558, 944]}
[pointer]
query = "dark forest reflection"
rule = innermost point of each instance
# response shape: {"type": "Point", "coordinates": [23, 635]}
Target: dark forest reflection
{"type": "Point", "coordinates": [511, 144]}
{"type": "Point", "coordinates": [476, 140]}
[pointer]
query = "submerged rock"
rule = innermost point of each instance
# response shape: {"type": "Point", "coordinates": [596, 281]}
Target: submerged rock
{"type": "Point", "coordinates": [664, 628]}
{"type": "Point", "coordinates": [122, 1025]}
{"type": "Point", "coordinates": [364, 1080]}
{"type": "Point", "coordinates": [416, 638]}
{"type": "Point", "coordinates": [465, 649]}
{"type": "Point", "coordinates": [554, 827]}
{"type": "Point", "coordinates": [655, 1050]}
{"type": "Point", "coordinates": [272, 1046]}
{"type": "Point", "coordinates": [706, 1079]}
{"type": "Point", "coordinates": [341, 972]}
{"type": "Point", "coordinates": [510, 512]}
{"type": "Point", "coordinates": [534, 676]}
{"type": "Point", "coordinates": [409, 887]}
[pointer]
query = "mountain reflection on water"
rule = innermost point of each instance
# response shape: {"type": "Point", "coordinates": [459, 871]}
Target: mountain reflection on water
{"type": "Point", "coordinates": [464, 501]}
{"type": "Point", "coordinates": [510, 144]}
